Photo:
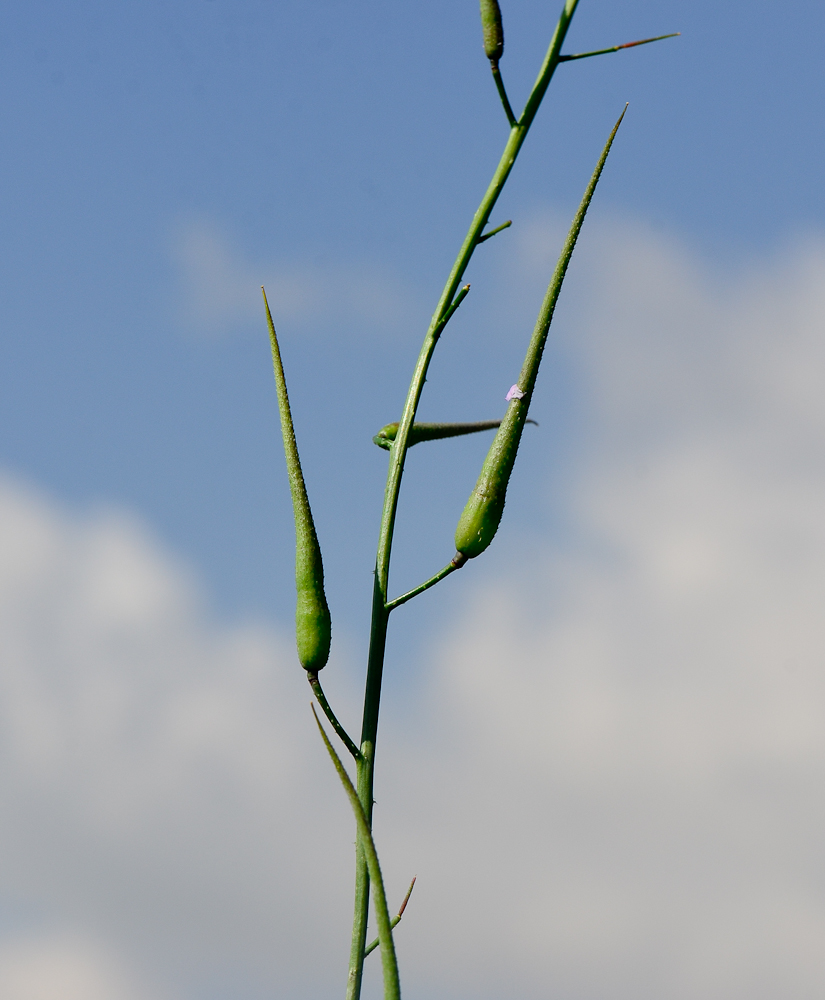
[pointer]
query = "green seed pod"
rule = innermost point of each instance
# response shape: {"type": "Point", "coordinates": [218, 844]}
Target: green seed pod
{"type": "Point", "coordinates": [493, 31]}
{"type": "Point", "coordinates": [431, 432]}
{"type": "Point", "coordinates": [313, 626]}
{"type": "Point", "coordinates": [482, 515]}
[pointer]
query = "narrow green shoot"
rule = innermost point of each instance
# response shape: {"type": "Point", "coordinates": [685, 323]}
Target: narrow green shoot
{"type": "Point", "coordinates": [389, 962]}
{"type": "Point", "coordinates": [498, 229]}
{"type": "Point", "coordinates": [318, 691]}
{"type": "Point", "coordinates": [396, 920]}
{"type": "Point", "coordinates": [450, 311]}
{"type": "Point", "coordinates": [617, 48]}
{"type": "Point", "coordinates": [502, 93]}
{"type": "Point", "coordinates": [455, 563]}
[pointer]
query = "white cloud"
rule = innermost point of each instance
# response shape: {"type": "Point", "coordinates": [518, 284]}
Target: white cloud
{"type": "Point", "coordinates": [63, 968]}
{"type": "Point", "coordinates": [610, 782]}
{"type": "Point", "coordinates": [634, 720]}
{"type": "Point", "coordinates": [220, 288]}
{"type": "Point", "coordinates": [152, 767]}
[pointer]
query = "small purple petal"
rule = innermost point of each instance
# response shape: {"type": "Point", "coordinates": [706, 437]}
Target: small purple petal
{"type": "Point", "coordinates": [514, 393]}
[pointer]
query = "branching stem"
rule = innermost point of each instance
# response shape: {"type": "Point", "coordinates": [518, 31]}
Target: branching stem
{"type": "Point", "coordinates": [380, 611]}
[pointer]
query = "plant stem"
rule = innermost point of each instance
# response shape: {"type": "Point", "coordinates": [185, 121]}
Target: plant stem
{"type": "Point", "coordinates": [318, 691]}
{"type": "Point", "coordinates": [617, 48]}
{"type": "Point", "coordinates": [380, 612]}
{"type": "Point", "coordinates": [502, 93]}
{"type": "Point", "coordinates": [498, 229]}
{"type": "Point", "coordinates": [392, 987]}
{"type": "Point", "coordinates": [396, 920]}
{"type": "Point", "coordinates": [451, 567]}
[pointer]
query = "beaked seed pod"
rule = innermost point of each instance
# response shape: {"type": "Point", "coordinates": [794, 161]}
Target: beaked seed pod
{"type": "Point", "coordinates": [313, 625]}
{"type": "Point", "coordinates": [493, 31]}
{"type": "Point", "coordinates": [431, 432]}
{"type": "Point", "coordinates": [482, 515]}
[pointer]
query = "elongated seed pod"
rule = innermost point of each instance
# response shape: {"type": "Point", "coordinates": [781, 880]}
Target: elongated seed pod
{"type": "Point", "coordinates": [313, 626]}
{"type": "Point", "coordinates": [482, 515]}
{"type": "Point", "coordinates": [493, 31]}
{"type": "Point", "coordinates": [431, 432]}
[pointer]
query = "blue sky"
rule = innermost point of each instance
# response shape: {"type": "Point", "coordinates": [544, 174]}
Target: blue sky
{"type": "Point", "coordinates": [160, 162]}
{"type": "Point", "coordinates": [303, 140]}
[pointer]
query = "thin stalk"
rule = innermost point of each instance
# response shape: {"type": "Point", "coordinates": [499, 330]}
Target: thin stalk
{"type": "Point", "coordinates": [392, 987]}
{"type": "Point", "coordinates": [617, 48]}
{"type": "Point", "coordinates": [498, 229]}
{"type": "Point", "coordinates": [457, 562]}
{"type": "Point", "coordinates": [502, 93]}
{"type": "Point", "coordinates": [398, 452]}
{"type": "Point", "coordinates": [396, 920]}
{"type": "Point", "coordinates": [318, 691]}
{"type": "Point", "coordinates": [448, 315]}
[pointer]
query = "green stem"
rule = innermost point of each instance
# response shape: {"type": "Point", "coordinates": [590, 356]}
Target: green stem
{"type": "Point", "coordinates": [396, 920]}
{"type": "Point", "coordinates": [448, 315]}
{"type": "Point", "coordinates": [318, 691]}
{"type": "Point", "coordinates": [364, 776]}
{"type": "Point", "coordinates": [498, 229]}
{"type": "Point", "coordinates": [616, 48]}
{"type": "Point", "coordinates": [456, 563]}
{"type": "Point", "coordinates": [502, 93]}
{"type": "Point", "coordinates": [398, 452]}
{"type": "Point", "coordinates": [392, 987]}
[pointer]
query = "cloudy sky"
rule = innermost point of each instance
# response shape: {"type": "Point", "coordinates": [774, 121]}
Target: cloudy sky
{"type": "Point", "coordinates": [603, 743]}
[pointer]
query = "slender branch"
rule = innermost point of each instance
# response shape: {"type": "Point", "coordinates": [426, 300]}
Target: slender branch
{"type": "Point", "coordinates": [456, 563]}
{"type": "Point", "coordinates": [392, 987]}
{"type": "Point", "coordinates": [318, 691]}
{"type": "Point", "coordinates": [448, 315]}
{"type": "Point", "coordinates": [396, 920]}
{"type": "Point", "coordinates": [502, 93]}
{"type": "Point", "coordinates": [486, 236]}
{"type": "Point", "coordinates": [616, 48]}
{"type": "Point", "coordinates": [380, 615]}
